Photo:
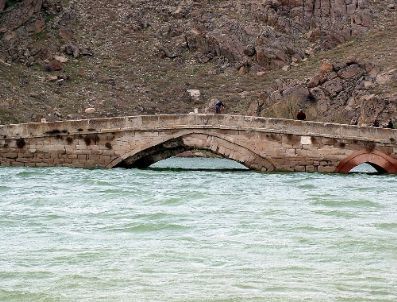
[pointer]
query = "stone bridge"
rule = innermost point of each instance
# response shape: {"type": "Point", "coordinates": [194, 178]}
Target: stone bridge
{"type": "Point", "coordinates": [261, 144]}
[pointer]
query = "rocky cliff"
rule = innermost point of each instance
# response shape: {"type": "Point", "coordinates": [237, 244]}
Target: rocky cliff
{"type": "Point", "coordinates": [59, 58]}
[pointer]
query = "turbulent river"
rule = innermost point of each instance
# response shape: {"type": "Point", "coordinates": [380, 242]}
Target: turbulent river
{"type": "Point", "coordinates": [175, 235]}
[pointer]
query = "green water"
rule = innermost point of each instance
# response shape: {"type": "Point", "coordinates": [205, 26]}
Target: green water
{"type": "Point", "coordinates": [172, 235]}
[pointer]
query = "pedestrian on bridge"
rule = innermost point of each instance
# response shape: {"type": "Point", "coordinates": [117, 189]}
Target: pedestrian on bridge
{"type": "Point", "coordinates": [219, 106]}
{"type": "Point", "coordinates": [390, 124]}
{"type": "Point", "coordinates": [301, 115]}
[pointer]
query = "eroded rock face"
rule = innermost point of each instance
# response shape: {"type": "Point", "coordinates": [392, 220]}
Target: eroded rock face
{"type": "Point", "coordinates": [332, 21]}
{"type": "Point", "coordinates": [20, 15]}
{"type": "Point", "coordinates": [342, 92]}
{"type": "Point", "coordinates": [258, 34]}
{"type": "Point", "coordinates": [20, 28]}
{"type": "Point", "coordinates": [270, 33]}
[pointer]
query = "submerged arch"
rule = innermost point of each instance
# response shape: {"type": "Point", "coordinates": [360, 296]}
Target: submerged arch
{"type": "Point", "coordinates": [148, 155]}
{"type": "Point", "coordinates": [382, 162]}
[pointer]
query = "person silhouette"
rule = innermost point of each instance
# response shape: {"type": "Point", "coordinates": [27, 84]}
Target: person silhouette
{"type": "Point", "coordinates": [301, 115]}
{"type": "Point", "coordinates": [390, 124]}
{"type": "Point", "coordinates": [219, 106]}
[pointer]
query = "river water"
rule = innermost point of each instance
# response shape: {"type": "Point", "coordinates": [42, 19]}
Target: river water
{"type": "Point", "coordinates": [174, 235]}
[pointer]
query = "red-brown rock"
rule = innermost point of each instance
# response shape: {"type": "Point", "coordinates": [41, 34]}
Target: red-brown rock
{"type": "Point", "coordinates": [53, 65]}
{"type": "Point", "coordinates": [351, 71]}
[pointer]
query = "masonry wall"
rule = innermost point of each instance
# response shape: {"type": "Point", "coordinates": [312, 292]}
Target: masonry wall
{"type": "Point", "coordinates": [289, 145]}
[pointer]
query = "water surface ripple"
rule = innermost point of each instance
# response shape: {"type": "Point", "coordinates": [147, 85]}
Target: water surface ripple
{"type": "Point", "coordinates": [171, 235]}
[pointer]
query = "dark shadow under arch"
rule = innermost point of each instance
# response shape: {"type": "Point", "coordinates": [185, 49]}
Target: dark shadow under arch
{"type": "Point", "coordinates": [147, 156]}
{"type": "Point", "coordinates": [382, 162]}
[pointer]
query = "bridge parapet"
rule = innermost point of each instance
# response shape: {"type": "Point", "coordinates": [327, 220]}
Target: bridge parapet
{"type": "Point", "coordinates": [199, 121]}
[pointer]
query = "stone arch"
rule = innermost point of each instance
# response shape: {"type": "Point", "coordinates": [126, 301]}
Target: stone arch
{"type": "Point", "coordinates": [382, 162]}
{"type": "Point", "coordinates": [144, 157]}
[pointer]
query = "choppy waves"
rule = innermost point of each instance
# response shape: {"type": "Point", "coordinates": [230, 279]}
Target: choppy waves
{"type": "Point", "coordinates": [173, 235]}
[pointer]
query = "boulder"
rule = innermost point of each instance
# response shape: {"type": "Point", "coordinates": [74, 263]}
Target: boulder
{"type": "Point", "coordinates": [194, 94]}
{"type": "Point", "coordinates": [386, 77]}
{"type": "Point", "coordinates": [53, 65]}
{"type": "Point", "coordinates": [297, 93]}
{"type": "Point", "coordinates": [370, 109]}
{"type": "Point", "coordinates": [326, 66]}
{"type": "Point", "coordinates": [90, 110]}
{"type": "Point", "coordinates": [318, 94]}
{"type": "Point", "coordinates": [211, 106]}
{"type": "Point", "coordinates": [317, 80]}
{"type": "Point", "coordinates": [52, 78]}
{"type": "Point", "coordinates": [351, 71]}
{"type": "Point", "coordinates": [333, 87]}
{"type": "Point", "coordinates": [71, 50]}
{"type": "Point", "coordinates": [250, 50]}
{"type": "Point", "coordinates": [61, 59]}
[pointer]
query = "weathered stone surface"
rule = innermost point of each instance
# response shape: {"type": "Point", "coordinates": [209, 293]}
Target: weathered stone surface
{"type": "Point", "coordinates": [20, 16]}
{"type": "Point", "coordinates": [387, 77]}
{"type": "Point", "coordinates": [333, 87]}
{"type": "Point", "coordinates": [318, 94]}
{"type": "Point", "coordinates": [138, 141]}
{"type": "Point", "coordinates": [298, 94]}
{"type": "Point", "coordinates": [351, 71]}
{"type": "Point", "coordinates": [269, 34]}
{"type": "Point", "coordinates": [333, 94]}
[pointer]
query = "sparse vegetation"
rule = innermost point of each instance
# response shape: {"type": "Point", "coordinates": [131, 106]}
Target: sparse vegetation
{"type": "Point", "coordinates": [127, 77]}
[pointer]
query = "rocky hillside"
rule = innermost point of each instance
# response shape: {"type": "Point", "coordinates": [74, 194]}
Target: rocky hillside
{"type": "Point", "coordinates": [76, 59]}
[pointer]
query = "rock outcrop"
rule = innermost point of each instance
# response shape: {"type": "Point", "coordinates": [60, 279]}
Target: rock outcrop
{"type": "Point", "coordinates": [150, 56]}
{"type": "Point", "coordinates": [341, 92]}
{"type": "Point", "coordinates": [23, 31]}
{"type": "Point", "coordinates": [263, 34]}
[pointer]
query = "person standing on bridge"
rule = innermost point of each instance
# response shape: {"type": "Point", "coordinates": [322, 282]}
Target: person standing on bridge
{"type": "Point", "coordinates": [390, 124]}
{"type": "Point", "coordinates": [301, 115]}
{"type": "Point", "coordinates": [219, 106]}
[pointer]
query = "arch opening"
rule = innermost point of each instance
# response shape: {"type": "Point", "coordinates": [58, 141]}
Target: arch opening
{"type": "Point", "coordinates": [144, 158]}
{"type": "Point", "coordinates": [368, 168]}
{"type": "Point", "coordinates": [151, 155]}
{"type": "Point", "coordinates": [378, 161]}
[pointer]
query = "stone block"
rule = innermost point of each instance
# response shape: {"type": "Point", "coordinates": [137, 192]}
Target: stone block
{"type": "Point", "coordinates": [326, 169]}
{"type": "Point", "coordinates": [311, 168]}
{"type": "Point", "coordinates": [299, 169]}
{"type": "Point", "coordinates": [290, 152]}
